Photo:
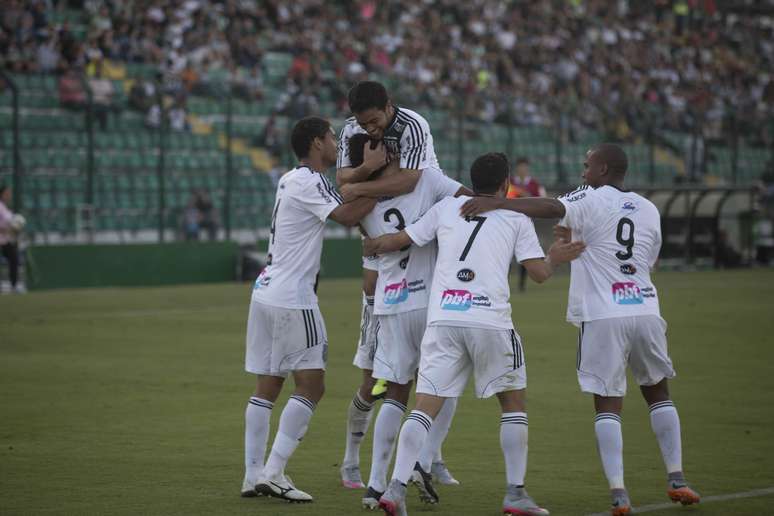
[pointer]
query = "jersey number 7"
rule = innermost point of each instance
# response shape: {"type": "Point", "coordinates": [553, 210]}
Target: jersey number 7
{"type": "Point", "coordinates": [479, 222]}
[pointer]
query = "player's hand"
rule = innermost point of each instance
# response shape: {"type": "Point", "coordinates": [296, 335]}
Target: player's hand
{"type": "Point", "coordinates": [477, 205]}
{"type": "Point", "coordinates": [349, 192]}
{"type": "Point", "coordinates": [563, 234]}
{"type": "Point", "coordinates": [369, 246]}
{"type": "Point", "coordinates": [562, 252]}
{"type": "Point", "coordinates": [374, 159]}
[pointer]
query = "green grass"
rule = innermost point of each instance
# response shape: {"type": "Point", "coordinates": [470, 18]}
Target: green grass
{"type": "Point", "coordinates": [131, 401]}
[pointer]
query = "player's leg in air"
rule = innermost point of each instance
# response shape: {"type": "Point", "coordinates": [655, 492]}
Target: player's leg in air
{"type": "Point", "coordinates": [279, 342]}
{"type": "Point", "coordinates": [360, 412]}
{"type": "Point", "coordinates": [652, 367]}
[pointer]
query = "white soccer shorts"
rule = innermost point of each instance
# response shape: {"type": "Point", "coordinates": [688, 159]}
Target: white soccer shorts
{"type": "Point", "coordinates": [282, 340]}
{"type": "Point", "coordinates": [451, 353]}
{"type": "Point", "coordinates": [607, 346]}
{"type": "Point", "coordinates": [398, 339]}
{"type": "Point", "coordinates": [366, 345]}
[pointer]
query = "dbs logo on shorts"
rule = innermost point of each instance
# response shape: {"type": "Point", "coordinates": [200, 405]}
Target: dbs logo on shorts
{"type": "Point", "coordinates": [456, 300]}
{"type": "Point", "coordinates": [627, 293]}
{"type": "Point", "coordinates": [396, 293]}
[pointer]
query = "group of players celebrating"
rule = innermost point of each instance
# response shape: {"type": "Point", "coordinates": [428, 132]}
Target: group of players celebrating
{"type": "Point", "coordinates": [436, 306]}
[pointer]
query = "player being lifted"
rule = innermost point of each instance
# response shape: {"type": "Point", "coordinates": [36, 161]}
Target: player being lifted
{"type": "Point", "coordinates": [285, 329]}
{"type": "Point", "coordinates": [406, 136]}
{"type": "Point", "coordinates": [615, 304]}
{"type": "Point", "coordinates": [469, 323]}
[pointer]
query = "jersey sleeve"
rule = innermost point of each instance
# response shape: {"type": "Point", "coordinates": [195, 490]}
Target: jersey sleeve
{"type": "Point", "coordinates": [318, 196]}
{"type": "Point", "coordinates": [527, 243]}
{"type": "Point", "coordinates": [424, 230]}
{"type": "Point", "coordinates": [578, 206]}
{"type": "Point", "coordinates": [371, 263]}
{"type": "Point", "coordinates": [413, 145]}
{"type": "Point", "coordinates": [443, 185]}
{"type": "Point", "coordinates": [342, 154]}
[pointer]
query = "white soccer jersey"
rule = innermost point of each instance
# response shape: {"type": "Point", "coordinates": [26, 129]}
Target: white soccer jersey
{"type": "Point", "coordinates": [408, 136]}
{"type": "Point", "coordinates": [405, 276]}
{"type": "Point", "coordinates": [304, 200]}
{"type": "Point", "coordinates": [622, 232]}
{"type": "Point", "coordinates": [470, 284]}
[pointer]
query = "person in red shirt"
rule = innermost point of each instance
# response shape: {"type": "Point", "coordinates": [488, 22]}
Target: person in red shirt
{"type": "Point", "coordinates": [523, 185]}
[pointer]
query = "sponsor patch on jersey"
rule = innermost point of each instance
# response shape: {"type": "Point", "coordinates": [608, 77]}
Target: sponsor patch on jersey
{"type": "Point", "coordinates": [628, 268]}
{"type": "Point", "coordinates": [627, 293]}
{"type": "Point", "coordinates": [465, 275]}
{"type": "Point", "coordinates": [460, 300]}
{"type": "Point", "coordinates": [404, 262]}
{"type": "Point", "coordinates": [396, 293]}
{"type": "Point", "coordinates": [628, 206]}
{"type": "Point", "coordinates": [323, 193]}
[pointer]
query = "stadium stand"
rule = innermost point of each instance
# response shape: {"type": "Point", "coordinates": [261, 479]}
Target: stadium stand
{"type": "Point", "coordinates": [691, 101]}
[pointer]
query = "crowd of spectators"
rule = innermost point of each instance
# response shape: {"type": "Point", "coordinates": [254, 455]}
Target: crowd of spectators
{"type": "Point", "coordinates": [620, 66]}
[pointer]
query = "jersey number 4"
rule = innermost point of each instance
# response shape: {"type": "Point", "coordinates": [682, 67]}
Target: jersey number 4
{"type": "Point", "coordinates": [628, 242]}
{"type": "Point", "coordinates": [479, 222]}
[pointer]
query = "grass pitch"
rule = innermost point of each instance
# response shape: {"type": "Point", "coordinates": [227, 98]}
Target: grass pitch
{"type": "Point", "coordinates": [131, 401]}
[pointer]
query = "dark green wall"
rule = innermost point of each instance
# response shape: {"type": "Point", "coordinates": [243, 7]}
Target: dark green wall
{"type": "Point", "coordinates": [341, 257]}
{"type": "Point", "coordinates": [74, 266]}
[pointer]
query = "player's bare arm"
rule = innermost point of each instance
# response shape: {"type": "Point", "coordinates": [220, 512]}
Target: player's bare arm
{"type": "Point", "coordinates": [394, 182]}
{"type": "Point", "coordinates": [539, 208]}
{"type": "Point", "coordinates": [373, 159]}
{"type": "Point", "coordinates": [540, 269]}
{"type": "Point", "coordinates": [386, 243]}
{"type": "Point", "coordinates": [351, 213]}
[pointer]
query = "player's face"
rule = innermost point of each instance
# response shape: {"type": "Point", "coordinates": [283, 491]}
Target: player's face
{"type": "Point", "coordinates": [6, 197]}
{"type": "Point", "coordinates": [594, 171]}
{"type": "Point", "coordinates": [374, 121]}
{"type": "Point", "coordinates": [329, 148]}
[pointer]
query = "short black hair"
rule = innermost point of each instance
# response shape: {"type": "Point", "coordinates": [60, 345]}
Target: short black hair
{"type": "Point", "coordinates": [366, 95]}
{"type": "Point", "coordinates": [522, 160]}
{"type": "Point", "coordinates": [613, 156]}
{"type": "Point", "coordinates": [489, 172]}
{"type": "Point", "coordinates": [304, 133]}
{"type": "Point", "coordinates": [356, 144]}
{"type": "Point", "coordinates": [3, 188]}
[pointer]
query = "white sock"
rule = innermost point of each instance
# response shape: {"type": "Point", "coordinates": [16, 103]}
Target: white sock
{"type": "Point", "coordinates": [413, 436]}
{"type": "Point", "coordinates": [292, 427]}
{"type": "Point", "coordinates": [513, 441]}
{"type": "Point", "coordinates": [437, 434]}
{"type": "Point", "coordinates": [358, 420]}
{"type": "Point", "coordinates": [386, 430]}
{"type": "Point", "coordinates": [666, 425]}
{"type": "Point", "coordinates": [607, 426]}
{"type": "Point", "coordinates": [257, 417]}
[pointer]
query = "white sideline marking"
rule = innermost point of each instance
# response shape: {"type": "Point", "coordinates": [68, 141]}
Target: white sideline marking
{"type": "Point", "coordinates": [716, 498]}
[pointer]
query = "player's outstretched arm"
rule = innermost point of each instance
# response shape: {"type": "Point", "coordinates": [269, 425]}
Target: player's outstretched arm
{"type": "Point", "coordinates": [373, 159]}
{"type": "Point", "coordinates": [386, 243]}
{"type": "Point", "coordinates": [351, 213]}
{"type": "Point", "coordinates": [542, 269]}
{"type": "Point", "coordinates": [393, 182]}
{"type": "Point", "coordinates": [535, 207]}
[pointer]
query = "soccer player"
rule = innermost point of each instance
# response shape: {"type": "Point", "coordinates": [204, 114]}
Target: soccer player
{"type": "Point", "coordinates": [407, 138]}
{"type": "Point", "coordinates": [469, 323]}
{"type": "Point", "coordinates": [615, 304]}
{"type": "Point", "coordinates": [285, 329]}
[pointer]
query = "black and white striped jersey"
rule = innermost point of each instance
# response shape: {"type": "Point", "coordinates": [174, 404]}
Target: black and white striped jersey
{"type": "Point", "coordinates": [408, 137]}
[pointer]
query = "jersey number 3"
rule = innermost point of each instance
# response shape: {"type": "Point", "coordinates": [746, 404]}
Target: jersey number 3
{"type": "Point", "coordinates": [479, 222]}
{"type": "Point", "coordinates": [627, 242]}
{"type": "Point", "coordinates": [401, 225]}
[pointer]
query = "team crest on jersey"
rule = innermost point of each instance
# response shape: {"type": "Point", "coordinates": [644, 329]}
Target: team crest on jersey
{"type": "Point", "coordinates": [396, 293]}
{"type": "Point", "coordinates": [465, 275]}
{"type": "Point", "coordinates": [627, 293]}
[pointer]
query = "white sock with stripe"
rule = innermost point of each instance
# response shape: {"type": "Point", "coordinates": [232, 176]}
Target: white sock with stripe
{"type": "Point", "coordinates": [513, 441]}
{"type": "Point", "coordinates": [292, 427]}
{"type": "Point", "coordinates": [257, 416]}
{"type": "Point", "coordinates": [666, 425]}
{"type": "Point", "coordinates": [413, 436]}
{"type": "Point", "coordinates": [607, 427]}
{"type": "Point", "coordinates": [437, 434]}
{"type": "Point", "coordinates": [358, 420]}
{"type": "Point", "coordinates": [386, 430]}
